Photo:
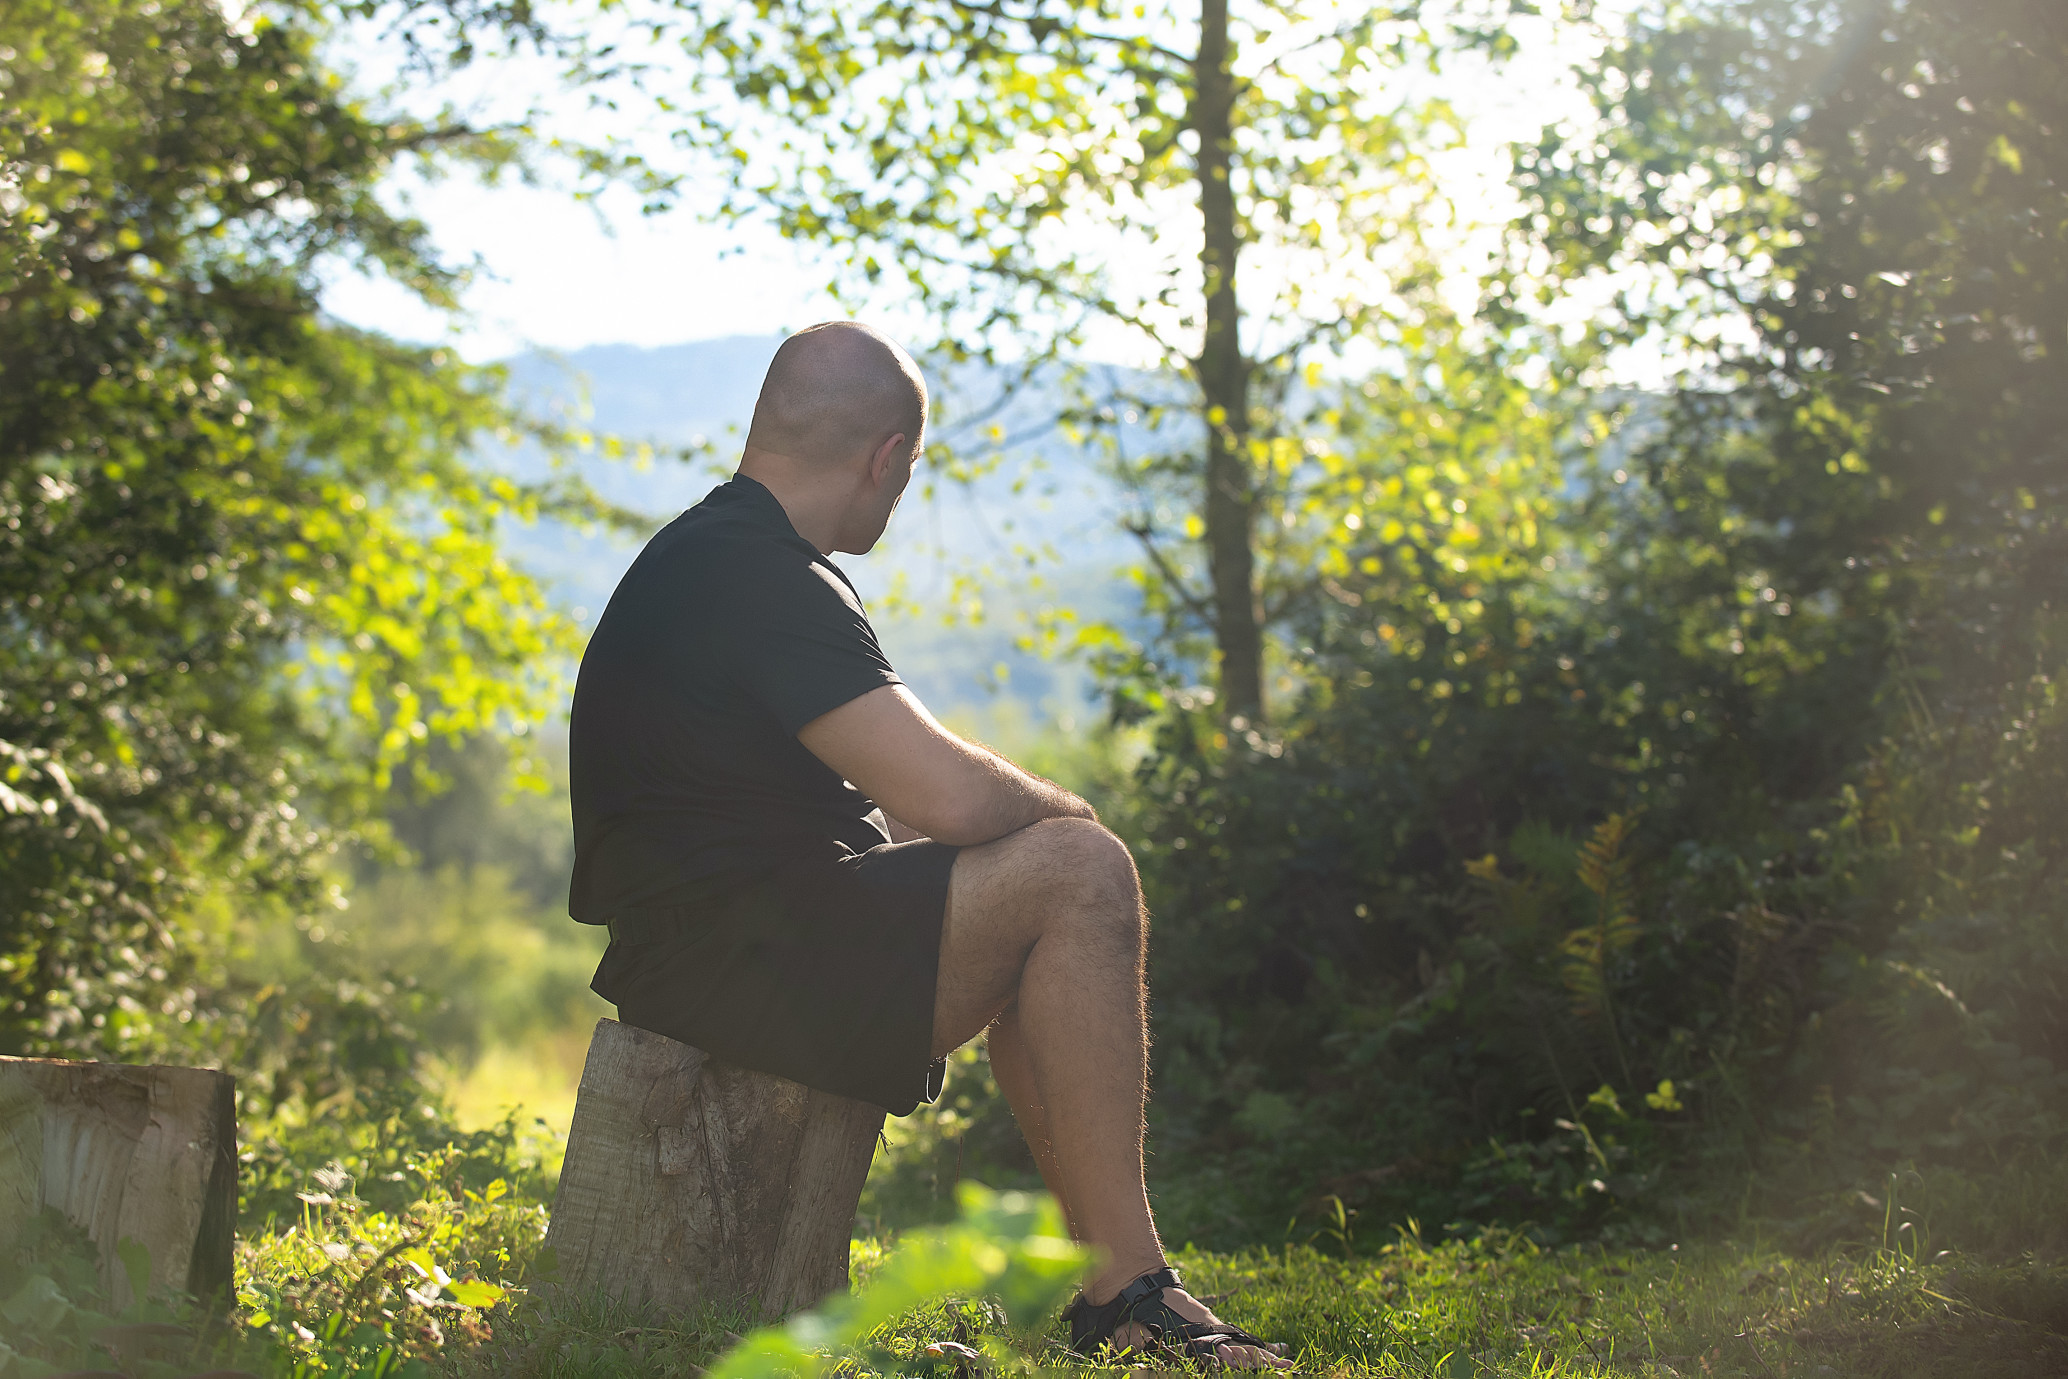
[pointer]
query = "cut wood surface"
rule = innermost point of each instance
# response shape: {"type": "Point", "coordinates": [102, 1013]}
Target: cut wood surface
{"type": "Point", "coordinates": [691, 1182]}
{"type": "Point", "coordinates": [128, 1153]}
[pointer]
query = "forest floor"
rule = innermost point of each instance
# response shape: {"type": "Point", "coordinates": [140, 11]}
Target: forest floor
{"type": "Point", "coordinates": [355, 1294]}
{"type": "Point", "coordinates": [1496, 1307]}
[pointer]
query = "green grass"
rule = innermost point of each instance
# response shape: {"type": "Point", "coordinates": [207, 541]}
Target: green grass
{"type": "Point", "coordinates": [353, 1292]}
{"type": "Point", "coordinates": [1500, 1306]}
{"type": "Point", "coordinates": [1496, 1306]}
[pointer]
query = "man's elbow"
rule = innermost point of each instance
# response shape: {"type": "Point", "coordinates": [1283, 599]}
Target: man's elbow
{"type": "Point", "coordinates": [957, 822]}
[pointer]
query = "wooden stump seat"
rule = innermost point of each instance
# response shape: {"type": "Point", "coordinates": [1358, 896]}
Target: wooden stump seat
{"type": "Point", "coordinates": [127, 1153]}
{"type": "Point", "coordinates": [691, 1182]}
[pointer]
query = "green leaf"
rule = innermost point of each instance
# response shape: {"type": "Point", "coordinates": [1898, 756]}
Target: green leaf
{"type": "Point", "coordinates": [136, 1267]}
{"type": "Point", "coordinates": [36, 1306]}
{"type": "Point", "coordinates": [475, 1293]}
{"type": "Point", "coordinates": [1009, 1245]}
{"type": "Point", "coordinates": [1665, 1098]}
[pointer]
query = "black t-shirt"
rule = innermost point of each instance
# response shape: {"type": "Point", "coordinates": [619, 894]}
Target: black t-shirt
{"type": "Point", "coordinates": [727, 635]}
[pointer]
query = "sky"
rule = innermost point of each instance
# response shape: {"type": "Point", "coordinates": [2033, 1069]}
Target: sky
{"type": "Point", "coordinates": [560, 274]}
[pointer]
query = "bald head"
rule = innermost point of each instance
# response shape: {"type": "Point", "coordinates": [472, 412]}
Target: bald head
{"type": "Point", "coordinates": [836, 391]}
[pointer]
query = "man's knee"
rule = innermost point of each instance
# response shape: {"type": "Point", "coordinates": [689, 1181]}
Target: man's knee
{"type": "Point", "coordinates": [1085, 864]}
{"type": "Point", "coordinates": [1081, 848]}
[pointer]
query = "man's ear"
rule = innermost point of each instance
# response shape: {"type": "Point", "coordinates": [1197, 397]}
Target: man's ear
{"type": "Point", "coordinates": [886, 455]}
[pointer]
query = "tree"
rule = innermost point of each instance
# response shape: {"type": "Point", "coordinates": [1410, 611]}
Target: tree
{"type": "Point", "coordinates": [1024, 166]}
{"type": "Point", "coordinates": [1870, 191]}
{"type": "Point", "coordinates": [247, 565]}
{"type": "Point", "coordinates": [1859, 503]}
{"type": "Point", "coordinates": [1804, 617]}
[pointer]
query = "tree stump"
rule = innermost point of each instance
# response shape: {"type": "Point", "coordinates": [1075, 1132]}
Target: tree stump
{"type": "Point", "coordinates": [127, 1153]}
{"type": "Point", "coordinates": [690, 1182]}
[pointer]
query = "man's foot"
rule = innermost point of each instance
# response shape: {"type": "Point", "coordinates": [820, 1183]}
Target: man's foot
{"type": "Point", "coordinates": [1233, 1354]}
{"type": "Point", "coordinates": [1154, 1313]}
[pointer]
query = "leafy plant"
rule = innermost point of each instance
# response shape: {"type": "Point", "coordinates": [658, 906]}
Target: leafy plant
{"type": "Point", "coordinates": [968, 1135]}
{"type": "Point", "coordinates": [353, 1291]}
{"type": "Point", "coordinates": [1588, 951]}
{"type": "Point", "coordinates": [1011, 1248]}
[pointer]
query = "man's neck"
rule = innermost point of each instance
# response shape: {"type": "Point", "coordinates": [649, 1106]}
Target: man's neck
{"type": "Point", "coordinates": [815, 497]}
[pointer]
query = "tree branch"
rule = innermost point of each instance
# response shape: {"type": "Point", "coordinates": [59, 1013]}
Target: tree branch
{"type": "Point", "coordinates": [1365, 21]}
{"type": "Point", "coordinates": [997, 12]}
{"type": "Point", "coordinates": [1194, 604]}
{"type": "Point", "coordinates": [1291, 594]}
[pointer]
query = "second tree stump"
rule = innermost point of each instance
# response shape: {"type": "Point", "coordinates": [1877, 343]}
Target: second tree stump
{"type": "Point", "coordinates": [690, 1182]}
{"type": "Point", "coordinates": [130, 1154]}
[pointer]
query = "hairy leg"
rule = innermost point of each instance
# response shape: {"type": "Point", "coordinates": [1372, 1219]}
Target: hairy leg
{"type": "Point", "coordinates": [1014, 1069]}
{"type": "Point", "coordinates": [1048, 922]}
{"type": "Point", "coordinates": [1043, 944]}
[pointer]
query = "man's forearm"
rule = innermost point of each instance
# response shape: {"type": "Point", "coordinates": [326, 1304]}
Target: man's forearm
{"type": "Point", "coordinates": [1018, 798]}
{"type": "Point", "coordinates": [1012, 800]}
{"type": "Point", "coordinates": [939, 785]}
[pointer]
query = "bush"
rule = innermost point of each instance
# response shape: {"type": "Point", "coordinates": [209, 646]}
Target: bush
{"type": "Point", "coordinates": [1600, 858]}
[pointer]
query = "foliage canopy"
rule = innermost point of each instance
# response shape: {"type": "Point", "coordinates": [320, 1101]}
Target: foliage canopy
{"type": "Point", "coordinates": [1041, 177]}
{"type": "Point", "coordinates": [1803, 627]}
{"type": "Point", "coordinates": [247, 565]}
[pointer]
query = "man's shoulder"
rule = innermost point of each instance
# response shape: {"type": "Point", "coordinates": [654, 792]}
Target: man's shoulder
{"type": "Point", "coordinates": [711, 571]}
{"type": "Point", "coordinates": [718, 543]}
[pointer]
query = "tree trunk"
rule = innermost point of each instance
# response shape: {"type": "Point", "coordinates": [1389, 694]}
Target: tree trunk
{"type": "Point", "coordinates": [128, 1154]}
{"type": "Point", "coordinates": [1223, 374]}
{"type": "Point", "coordinates": [692, 1183]}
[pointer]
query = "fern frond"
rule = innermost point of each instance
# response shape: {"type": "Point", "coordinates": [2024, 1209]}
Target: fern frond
{"type": "Point", "coordinates": [1602, 864]}
{"type": "Point", "coordinates": [1605, 871]}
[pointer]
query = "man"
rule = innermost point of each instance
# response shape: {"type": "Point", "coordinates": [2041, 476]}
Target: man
{"type": "Point", "coordinates": [805, 873]}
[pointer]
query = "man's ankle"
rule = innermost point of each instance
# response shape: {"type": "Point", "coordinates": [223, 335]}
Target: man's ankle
{"type": "Point", "coordinates": [1110, 1280]}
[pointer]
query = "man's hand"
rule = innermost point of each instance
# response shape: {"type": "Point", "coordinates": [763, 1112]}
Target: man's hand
{"type": "Point", "coordinates": [891, 749]}
{"type": "Point", "coordinates": [900, 831]}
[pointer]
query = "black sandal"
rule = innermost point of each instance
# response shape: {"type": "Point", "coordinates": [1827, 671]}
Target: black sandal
{"type": "Point", "coordinates": [1141, 1302]}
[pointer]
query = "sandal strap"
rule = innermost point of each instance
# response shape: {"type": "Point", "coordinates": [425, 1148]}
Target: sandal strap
{"type": "Point", "coordinates": [1149, 1285]}
{"type": "Point", "coordinates": [1092, 1325]}
{"type": "Point", "coordinates": [1199, 1340]}
{"type": "Point", "coordinates": [1204, 1340]}
{"type": "Point", "coordinates": [1141, 1300]}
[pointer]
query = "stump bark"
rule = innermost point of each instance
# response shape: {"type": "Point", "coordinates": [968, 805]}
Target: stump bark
{"type": "Point", "coordinates": [690, 1182]}
{"type": "Point", "coordinates": [127, 1153]}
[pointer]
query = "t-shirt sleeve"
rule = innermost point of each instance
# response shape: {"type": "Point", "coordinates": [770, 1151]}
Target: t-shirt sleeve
{"type": "Point", "coordinates": [799, 643]}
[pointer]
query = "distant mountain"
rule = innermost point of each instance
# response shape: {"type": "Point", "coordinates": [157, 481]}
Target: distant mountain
{"type": "Point", "coordinates": [1048, 498]}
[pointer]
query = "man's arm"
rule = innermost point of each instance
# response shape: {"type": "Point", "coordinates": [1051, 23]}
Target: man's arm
{"type": "Point", "coordinates": [891, 749]}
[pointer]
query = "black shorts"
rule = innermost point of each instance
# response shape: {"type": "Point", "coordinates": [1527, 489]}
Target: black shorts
{"type": "Point", "coordinates": [822, 972]}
